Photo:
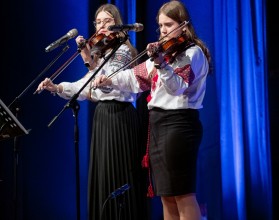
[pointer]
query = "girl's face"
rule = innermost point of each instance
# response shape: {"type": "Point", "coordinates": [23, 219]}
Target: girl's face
{"type": "Point", "coordinates": [103, 21]}
{"type": "Point", "coordinates": [166, 25]}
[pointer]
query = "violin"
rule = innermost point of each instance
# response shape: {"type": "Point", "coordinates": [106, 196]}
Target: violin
{"type": "Point", "coordinates": [101, 43]}
{"type": "Point", "coordinates": [171, 48]}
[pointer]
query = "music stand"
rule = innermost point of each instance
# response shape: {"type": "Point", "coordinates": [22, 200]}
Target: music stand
{"type": "Point", "coordinates": [9, 125]}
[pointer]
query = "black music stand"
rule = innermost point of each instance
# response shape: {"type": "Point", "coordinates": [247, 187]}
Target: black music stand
{"type": "Point", "coordinates": [9, 125]}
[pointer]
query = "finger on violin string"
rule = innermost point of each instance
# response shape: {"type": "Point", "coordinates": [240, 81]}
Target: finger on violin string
{"type": "Point", "coordinates": [155, 53]}
{"type": "Point", "coordinates": [81, 45]}
{"type": "Point", "coordinates": [152, 46]}
{"type": "Point", "coordinates": [79, 39]}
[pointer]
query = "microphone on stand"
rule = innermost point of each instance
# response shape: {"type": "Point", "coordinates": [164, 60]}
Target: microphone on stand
{"type": "Point", "coordinates": [119, 191]}
{"type": "Point", "coordinates": [71, 34]}
{"type": "Point", "coordinates": [126, 27]}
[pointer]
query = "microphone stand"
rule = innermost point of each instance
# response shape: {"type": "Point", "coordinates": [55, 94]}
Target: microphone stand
{"type": "Point", "coordinates": [72, 103]}
{"type": "Point", "coordinates": [14, 107]}
{"type": "Point", "coordinates": [120, 199]}
{"type": "Point", "coordinates": [121, 205]}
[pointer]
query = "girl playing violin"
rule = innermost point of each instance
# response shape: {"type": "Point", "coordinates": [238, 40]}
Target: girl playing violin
{"type": "Point", "coordinates": [115, 157]}
{"type": "Point", "coordinates": [176, 78]}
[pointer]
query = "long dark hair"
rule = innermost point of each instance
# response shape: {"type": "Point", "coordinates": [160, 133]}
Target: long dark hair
{"type": "Point", "coordinates": [178, 12]}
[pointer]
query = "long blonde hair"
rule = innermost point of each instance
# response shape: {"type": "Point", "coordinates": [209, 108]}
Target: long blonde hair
{"type": "Point", "coordinates": [115, 13]}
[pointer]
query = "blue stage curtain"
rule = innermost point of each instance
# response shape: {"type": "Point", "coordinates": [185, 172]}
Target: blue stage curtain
{"type": "Point", "coordinates": [241, 72]}
{"type": "Point", "coordinates": [235, 153]}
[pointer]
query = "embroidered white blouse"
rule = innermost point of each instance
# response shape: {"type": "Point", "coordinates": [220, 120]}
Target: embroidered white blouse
{"type": "Point", "coordinates": [179, 85]}
{"type": "Point", "coordinates": [117, 61]}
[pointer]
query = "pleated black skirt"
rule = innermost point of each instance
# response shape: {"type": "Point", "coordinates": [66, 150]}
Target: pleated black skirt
{"type": "Point", "coordinates": [115, 160]}
{"type": "Point", "coordinates": [175, 136]}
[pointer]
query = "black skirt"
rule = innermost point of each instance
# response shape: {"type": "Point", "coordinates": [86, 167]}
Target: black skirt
{"type": "Point", "coordinates": [115, 160]}
{"type": "Point", "coordinates": [175, 136]}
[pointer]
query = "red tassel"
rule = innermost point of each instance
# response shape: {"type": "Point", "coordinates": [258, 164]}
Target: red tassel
{"type": "Point", "coordinates": [150, 192]}
{"type": "Point", "coordinates": [145, 164]}
{"type": "Point", "coordinates": [145, 161]}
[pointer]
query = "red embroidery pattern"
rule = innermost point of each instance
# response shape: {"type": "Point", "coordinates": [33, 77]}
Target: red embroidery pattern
{"type": "Point", "coordinates": [120, 58]}
{"type": "Point", "coordinates": [141, 74]}
{"type": "Point", "coordinates": [154, 78]}
{"type": "Point", "coordinates": [186, 73]}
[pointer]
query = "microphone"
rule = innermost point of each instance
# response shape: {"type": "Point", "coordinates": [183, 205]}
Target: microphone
{"type": "Point", "coordinates": [126, 27]}
{"type": "Point", "coordinates": [119, 191]}
{"type": "Point", "coordinates": [71, 34]}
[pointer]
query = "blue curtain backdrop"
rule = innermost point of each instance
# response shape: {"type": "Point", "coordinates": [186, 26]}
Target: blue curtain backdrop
{"type": "Point", "coordinates": [234, 167]}
{"type": "Point", "coordinates": [241, 71]}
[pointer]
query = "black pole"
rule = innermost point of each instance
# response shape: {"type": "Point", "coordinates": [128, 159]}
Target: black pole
{"type": "Point", "coordinates": [15, 175]}
{"type": "Point", "coordinates": [76, 108]}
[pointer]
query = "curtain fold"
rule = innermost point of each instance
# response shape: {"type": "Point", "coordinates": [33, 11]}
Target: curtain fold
{"type": "Point", "coordinates": [241, 69]}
